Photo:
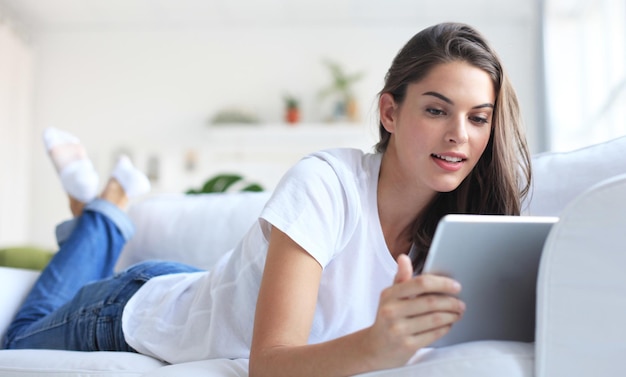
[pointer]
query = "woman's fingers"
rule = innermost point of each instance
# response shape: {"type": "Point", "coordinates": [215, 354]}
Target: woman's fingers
{"type": "Point", "coordinates": [414, 313]}
{"type": "Point", "coordinates": [422, 284]}
{"type": "Point", "coordinates": [426, 322]}
{"type": "Point", "coordinates": [427, 337]}
{"type": "Point", "coordinates": [423, 305]}
{"type": "Point", "coordinates": [405, 269]}
{"type": "Point", "coordinates": [430, 303]}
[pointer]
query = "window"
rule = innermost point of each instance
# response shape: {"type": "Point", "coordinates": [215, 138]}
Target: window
{"type": "Point", "coordinates": [585, 66]}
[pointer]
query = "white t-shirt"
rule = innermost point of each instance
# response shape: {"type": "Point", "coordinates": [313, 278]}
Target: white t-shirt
{"type": "Point", "coordinates": [327, 204]}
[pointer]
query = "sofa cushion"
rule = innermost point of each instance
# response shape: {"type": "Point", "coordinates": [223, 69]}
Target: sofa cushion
{"type": "Point", "coordinates": [16, 283]}
{"type": "Point", "coordinates": [53, 363]}
{"type": "Point", "coordinates": [489, 358]}
{"type": "Point", "coordinates": [28, 257]}
{"type": "Point", "coordinates": [474, 359]}
{"type": "Point", "coordinates": [560, 177]}
{"type": "Point", "coordinates": [192, 229]}
{"type": "Point", "coordinates": [213, 368]}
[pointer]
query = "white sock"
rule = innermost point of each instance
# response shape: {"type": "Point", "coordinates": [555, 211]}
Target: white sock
{"type": "Point", "coordinates": [133, 181]}
{"type": "Point", "coordinates": [78, 175]}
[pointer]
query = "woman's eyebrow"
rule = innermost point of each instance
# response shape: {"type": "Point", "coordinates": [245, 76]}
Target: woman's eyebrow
{"type": "Point", "coordinates": [440, 96]}
{"type": "Point", "coordinates": [448, 100]}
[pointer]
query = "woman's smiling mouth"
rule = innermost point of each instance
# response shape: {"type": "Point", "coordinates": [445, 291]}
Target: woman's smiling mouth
{"type": "Point", "coordinates": [447, 162]}
{"type": "Point", "coordinates": [453, 159]}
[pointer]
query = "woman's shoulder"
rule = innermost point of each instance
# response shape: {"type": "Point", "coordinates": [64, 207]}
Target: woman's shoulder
{"type": "Point", "coordinates": [341, 174]}
{"type": "Point", "coordinates": [318, 202]}
{"type": "Point", "coordinates": [341, 155]}
{"type": "Point", "coordinates": [347, 162]}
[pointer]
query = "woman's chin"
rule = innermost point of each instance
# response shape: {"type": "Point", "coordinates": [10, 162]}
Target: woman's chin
{"type": "Point", "coordinates": [447, 186]}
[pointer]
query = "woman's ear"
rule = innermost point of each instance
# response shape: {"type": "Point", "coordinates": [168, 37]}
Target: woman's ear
{"type": "Point", "coordinates": [387, 107]}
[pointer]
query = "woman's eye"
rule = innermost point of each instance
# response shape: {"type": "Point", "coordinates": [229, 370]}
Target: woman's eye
{"type": "Point", "coordinates": [479, 120]}
{"type": "Point", "coordinates": [436, 112]}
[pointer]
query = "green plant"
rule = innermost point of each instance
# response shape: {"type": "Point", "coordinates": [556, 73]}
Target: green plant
{"type": "Point", "coordinates": [291, 102]}
{"type": "Point", "coordinates": [223, 182]}
{"type": "Point", "coordinates": [236, 116]}
{"type": "Point", "coordinates": [341, 81]}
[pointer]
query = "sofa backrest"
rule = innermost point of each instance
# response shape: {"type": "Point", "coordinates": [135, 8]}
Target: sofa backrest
{"type": "Point", "coordinates": [558, 178]}
{"type": "Point", "coordinates": [193, 229]}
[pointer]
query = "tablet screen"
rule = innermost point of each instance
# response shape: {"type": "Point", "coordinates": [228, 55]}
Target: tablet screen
{"type": "Point", "coordinates": [496, 260]}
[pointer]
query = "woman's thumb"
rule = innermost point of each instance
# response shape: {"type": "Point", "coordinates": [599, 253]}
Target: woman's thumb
{"type": "Point", "coordinates": [405, 269]}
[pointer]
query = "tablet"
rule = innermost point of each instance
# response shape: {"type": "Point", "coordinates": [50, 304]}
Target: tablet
{"type": "Point", "coordinates": [496, 260]}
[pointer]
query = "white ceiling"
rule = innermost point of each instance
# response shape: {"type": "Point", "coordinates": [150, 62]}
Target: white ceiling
{"type": "Point", "coordinates": [51, 15]}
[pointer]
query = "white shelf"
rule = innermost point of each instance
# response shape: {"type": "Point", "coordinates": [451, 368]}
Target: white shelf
{"type": "Point", "coordinates": [260, 152]}
{"type": "Point", "coordinates": [283, 138]}
{"type": "Point", "coordinates": [299, 129]}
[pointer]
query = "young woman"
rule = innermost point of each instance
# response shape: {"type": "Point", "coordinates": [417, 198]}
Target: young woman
{"type": "Point", "coordinates": [324, 283]}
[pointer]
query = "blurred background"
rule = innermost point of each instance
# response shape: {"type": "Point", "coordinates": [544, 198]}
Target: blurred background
{"type": "Point", "coordinates": [193, 88]}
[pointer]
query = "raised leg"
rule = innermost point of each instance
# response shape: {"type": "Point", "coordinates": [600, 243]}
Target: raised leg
{"type": "Point", "coordinates": [89, 245]}
{"type": "Point", "coordinates": [76, 172]}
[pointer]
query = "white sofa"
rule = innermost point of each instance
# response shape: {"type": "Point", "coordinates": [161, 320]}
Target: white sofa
{"type": "Point", "coordinates": [581, 300]}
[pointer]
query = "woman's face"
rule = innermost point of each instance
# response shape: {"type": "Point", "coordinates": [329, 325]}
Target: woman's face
{"type": "Point", "coordinates": [442, 127]}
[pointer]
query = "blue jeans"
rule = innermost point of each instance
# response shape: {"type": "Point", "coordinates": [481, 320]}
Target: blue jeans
{"type": "Point", "coordinates": [77, 302]}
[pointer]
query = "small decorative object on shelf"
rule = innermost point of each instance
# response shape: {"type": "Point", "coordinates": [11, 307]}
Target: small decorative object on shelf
{"type": "Point", "coordinates": [234, 116]}
{"type": "Point", "coordinates": [345, 106]}
{"type": "Point", "coordinates": [292, 109]}
{"type": "Point", "coordinates": [191, 160]}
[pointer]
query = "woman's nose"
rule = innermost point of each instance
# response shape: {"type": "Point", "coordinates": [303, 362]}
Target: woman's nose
{"type": "Point", "coordinates": [457, 132]}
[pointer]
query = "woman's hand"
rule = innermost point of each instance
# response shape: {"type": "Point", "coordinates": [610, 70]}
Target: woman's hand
{"type": "Point", "coordinates": [412, 313]}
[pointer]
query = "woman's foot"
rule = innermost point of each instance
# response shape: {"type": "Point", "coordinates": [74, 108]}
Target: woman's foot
{"type": "Point", "coordinates": [76, 207]}
{"type": "Point", "coordinates": [78, 175]}
{"type": "Point", "coordinates": [126, 182]}
{"type": "Point", "coordinates": [114, 192]}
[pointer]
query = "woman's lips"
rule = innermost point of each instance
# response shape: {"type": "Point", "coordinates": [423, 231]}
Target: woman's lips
{"type": "Point", "coordinates": [448, 162]}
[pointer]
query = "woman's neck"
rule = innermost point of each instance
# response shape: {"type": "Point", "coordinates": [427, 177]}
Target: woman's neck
{"type": "Point", "coordinates": [399, 204]}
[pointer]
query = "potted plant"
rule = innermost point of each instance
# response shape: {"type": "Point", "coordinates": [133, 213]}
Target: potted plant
{"type": "Point", "coordinates": [341, 87]}
{"type": "Point", "coordinates": [292, 109]}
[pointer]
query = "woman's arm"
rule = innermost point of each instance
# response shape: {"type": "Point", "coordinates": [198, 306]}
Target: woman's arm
{"type": "Point", "coordinates": [413, 312]}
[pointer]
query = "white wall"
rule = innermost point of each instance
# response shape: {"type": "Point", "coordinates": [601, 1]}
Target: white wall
{"type": "Point", "coordinates": [16, 95]}
{"type": "Point", "coordinates": [152, 92]}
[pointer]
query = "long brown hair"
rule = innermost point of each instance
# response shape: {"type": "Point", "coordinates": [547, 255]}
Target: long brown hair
{"type": "Point", "coordinates": [501, 178]}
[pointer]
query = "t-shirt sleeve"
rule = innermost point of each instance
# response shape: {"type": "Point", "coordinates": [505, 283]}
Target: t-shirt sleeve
{"type": "Point", "coordinates": [313, 206]}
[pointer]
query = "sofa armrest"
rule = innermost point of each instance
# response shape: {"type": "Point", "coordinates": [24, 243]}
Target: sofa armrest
{"type": "Point", "coordinates": [581, 288]}
{"type": "Point", "coordinates": [15, 283]}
